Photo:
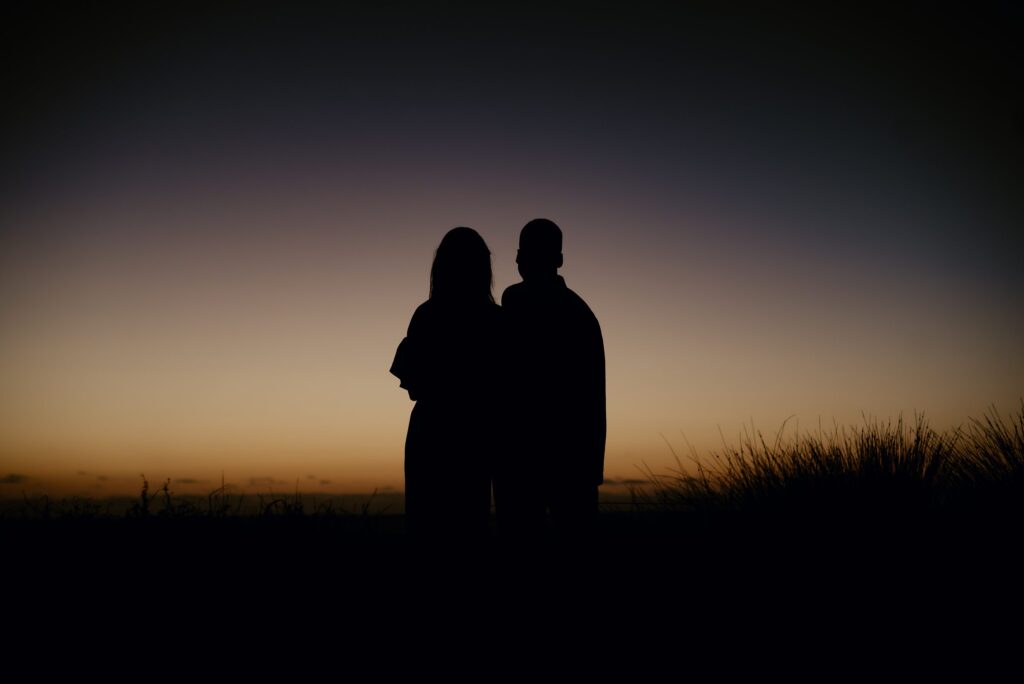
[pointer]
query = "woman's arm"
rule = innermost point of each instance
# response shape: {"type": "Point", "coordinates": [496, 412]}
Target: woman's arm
{"type": "Point", "coordinates": [403, 367]}
{"type": "Point", "coordinates": [408, 363]}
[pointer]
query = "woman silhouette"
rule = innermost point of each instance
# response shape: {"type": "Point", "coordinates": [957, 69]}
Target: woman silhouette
{"type": "Point", "coordinates": [448, 362]}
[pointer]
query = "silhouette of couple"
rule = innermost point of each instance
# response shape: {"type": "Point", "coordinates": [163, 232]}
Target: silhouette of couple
{"type": "Point", "coordinates": [509, 397]}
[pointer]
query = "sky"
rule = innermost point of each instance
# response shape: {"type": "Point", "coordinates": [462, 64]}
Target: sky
{"type": "Point", "coordinates": [215, 224]}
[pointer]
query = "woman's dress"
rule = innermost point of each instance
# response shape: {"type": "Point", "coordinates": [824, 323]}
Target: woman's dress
{"type": "Point", "coordinates": [449, 362]}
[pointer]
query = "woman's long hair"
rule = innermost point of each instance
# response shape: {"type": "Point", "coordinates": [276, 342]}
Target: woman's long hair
{"type": "Point", "coordinates": [462, 267]}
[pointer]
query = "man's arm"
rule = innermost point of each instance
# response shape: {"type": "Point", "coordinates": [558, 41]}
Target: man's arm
{"type": "Point", "coordinates": [599, 406]}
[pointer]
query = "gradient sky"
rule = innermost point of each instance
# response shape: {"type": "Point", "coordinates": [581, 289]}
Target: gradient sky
{"type": "Point", "coordinates": [215, 224]}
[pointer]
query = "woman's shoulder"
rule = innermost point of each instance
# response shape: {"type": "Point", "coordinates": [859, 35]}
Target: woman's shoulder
{"type": "Point", "coordinates": [422, 316]}
{"type": "Point", "coordinates": [431, 314]}
{"type": "Point", "coordinates": [424, 309]}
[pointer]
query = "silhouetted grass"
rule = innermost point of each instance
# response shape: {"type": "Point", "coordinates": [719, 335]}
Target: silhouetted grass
{"type": "Point", "coordinates": [877, 523]}
{"type": "Point", "coordinates": [879, 466]}
{"type": "Point", "coordinates": [888, 478]}
{"type": "Point", "coordinates": [990, 469]}
{"type": "Point", "coordinates": [883, 478]}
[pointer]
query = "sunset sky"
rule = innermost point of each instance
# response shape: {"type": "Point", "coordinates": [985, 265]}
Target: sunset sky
{"type": "Point", "coordinates": [215, 225]}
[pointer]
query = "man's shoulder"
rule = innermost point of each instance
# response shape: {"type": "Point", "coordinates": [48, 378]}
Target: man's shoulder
{"type": "Point", "coordinates": [579, 304]}
{"type": "Point", "coordinates": [513, 293]}
{"type": "Point", "coordinates": [560, 299]}
{"type": "Point", "coordinates": [574, 297]}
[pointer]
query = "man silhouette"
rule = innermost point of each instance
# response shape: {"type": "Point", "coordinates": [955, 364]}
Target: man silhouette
{"type": "Point", "coordinates": [556, 459]}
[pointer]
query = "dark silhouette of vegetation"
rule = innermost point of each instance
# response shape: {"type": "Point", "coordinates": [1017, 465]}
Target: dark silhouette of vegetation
{"type": "Point", "coordinates": [855, 524]}
{"type": "Point", "coordinates": [881, 479]}
{"type": "Point", "coordinates": [990, 470]}
{"type": "Point", "coordinates": [867, 473]}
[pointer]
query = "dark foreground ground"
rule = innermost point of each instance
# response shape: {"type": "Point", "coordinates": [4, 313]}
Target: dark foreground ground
{"type": "Point", "coordinates": [628, 554]}
{"type": "Point", "coordinates": [729, 598]}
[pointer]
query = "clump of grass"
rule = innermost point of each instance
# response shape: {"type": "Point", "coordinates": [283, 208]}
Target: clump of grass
{"type": "Point", "coordinates": [281, 506]}
{"type": "Point", "coordinates": [995, 449]}
{"type": "Point", "coordinates": [218, 502]}
{"type": "Point", "coordinates": [77, 508]}
{"type": "Point", "coordinates": [989, 474]}
{"type": "Point", "coordinates": [140, 509]}
{"type": "Point", "coordinates": [39, 509]}
{"type": "Point", "coordinates": [44, 508]}
{"type": "Point", "coordinates": [878, 470]}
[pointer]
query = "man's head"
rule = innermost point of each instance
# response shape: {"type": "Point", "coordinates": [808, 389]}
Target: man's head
{"type": "Point", "coordinates": [540, 249]}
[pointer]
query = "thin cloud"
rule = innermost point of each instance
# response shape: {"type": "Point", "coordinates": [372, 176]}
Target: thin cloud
{"type": "Point", "coordinates": [264, 482]}
{"type": "Point", "coordinates": [325, 482]}
{"type": "Point", "coordinates": [189, 481]}
{"type": "Point", "coordinates": [13, 478]}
